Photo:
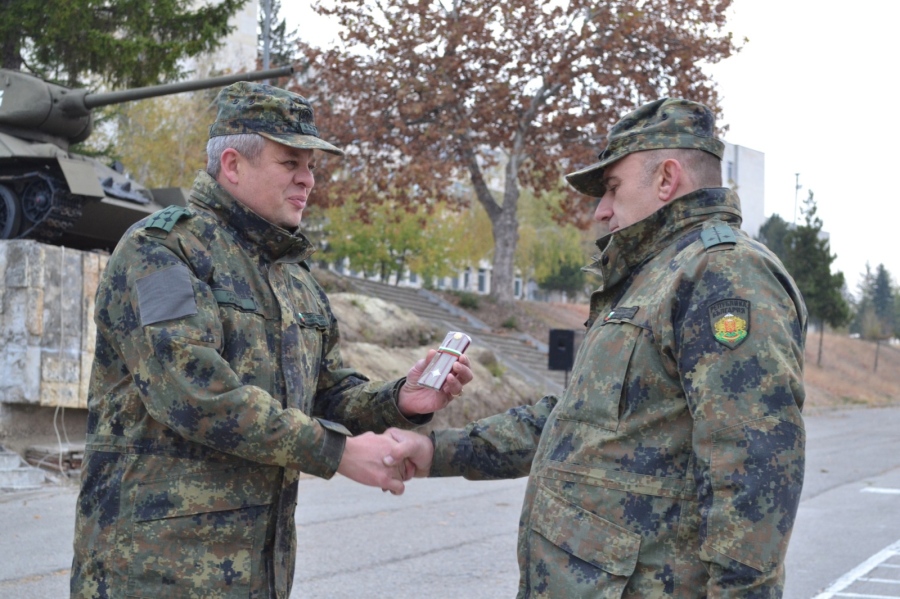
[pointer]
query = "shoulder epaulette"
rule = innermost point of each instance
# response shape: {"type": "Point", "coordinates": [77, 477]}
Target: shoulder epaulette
{"type": "Point", "coordinates": [166, 218]}
{"type": "Point", "coordinates": [717, 235]}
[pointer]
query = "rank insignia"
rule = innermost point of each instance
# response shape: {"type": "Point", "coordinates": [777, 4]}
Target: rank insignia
{"type": "Point", "coordinates": [730, 321]}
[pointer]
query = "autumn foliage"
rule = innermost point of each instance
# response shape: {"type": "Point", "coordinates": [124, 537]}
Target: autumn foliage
{"type": "Point", "coordinates": [497, 95]}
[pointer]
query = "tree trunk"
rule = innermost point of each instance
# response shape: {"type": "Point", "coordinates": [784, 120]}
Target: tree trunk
{"type": "Point", "coordinates": [504, 222]}
{"type": "Point", "coordinates": [877, 348]}
{"type": "Point", "coordinates": [821, 337]}
{"type": "Point", "coordinates": [506, 238]}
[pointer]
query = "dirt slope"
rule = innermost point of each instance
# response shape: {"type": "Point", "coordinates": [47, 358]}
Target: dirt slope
{"type": "Point", "coordinates": [382, 340]}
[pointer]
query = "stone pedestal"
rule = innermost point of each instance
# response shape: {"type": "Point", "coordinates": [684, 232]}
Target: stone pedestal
{"type": "Point", "coordinates": [47, 330]}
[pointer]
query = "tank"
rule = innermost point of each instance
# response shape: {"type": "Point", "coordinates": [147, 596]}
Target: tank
{"type": "Point", "coordinates": [50, 194]}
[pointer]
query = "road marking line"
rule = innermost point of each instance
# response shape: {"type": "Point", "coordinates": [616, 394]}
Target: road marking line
{"type": "Point", "coordinates": [858, 572]}
{"type": "Point", "coordinates": [880, 490]}
{"type": "Point", "coordinates": [883, 580]}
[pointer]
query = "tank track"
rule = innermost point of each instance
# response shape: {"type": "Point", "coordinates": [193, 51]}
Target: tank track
{"type": "Point", "coordinates": [48, 208]}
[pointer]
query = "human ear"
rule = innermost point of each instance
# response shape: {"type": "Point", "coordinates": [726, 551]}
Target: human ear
{"type": "Point", "coordinates": [670, 178]}
{"type": "Point", "coordinates": [229, 168]}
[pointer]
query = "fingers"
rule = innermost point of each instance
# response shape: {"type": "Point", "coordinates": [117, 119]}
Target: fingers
{"type": "Point", "coordinates": [396, 487]}
{"type": "Point", "coordinates": [412, 377]}
{"type": "Point", "coordinates": [363, 462]}
{"type": "Point", "coordinates": [460, 375]}
{"type": "Point", "coordinates": [412, 454]}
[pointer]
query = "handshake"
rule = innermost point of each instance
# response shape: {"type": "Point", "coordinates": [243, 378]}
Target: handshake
{"type": "Point", "coordinates": [395, 456]}
{"type": "Point", "coordinates": [387, 460]}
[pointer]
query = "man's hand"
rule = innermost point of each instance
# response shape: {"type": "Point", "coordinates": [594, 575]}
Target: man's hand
{"type": "Point", "coordinates": [415, 399]}
{"type": "Point", "coordinates": [413, 453]}
{"type": "Point", "coordinates": [363, 461]}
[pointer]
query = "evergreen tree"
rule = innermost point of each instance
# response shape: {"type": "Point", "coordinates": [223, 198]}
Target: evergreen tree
{"type": "Point", "coordinates": [808, 258]}
{"type": "Point", "coordinates": [120, 42]}
{"type": "Point", "coordinates": [862, 306]}
{"type": "Point", "coordinates": [773, 233]}
{"type": "Point", "coordinates": [897, 312]}
{"type": "Point", "coordinates": [883, 300]}
{"type": "Point", "coordinates": [282, 43]}
{"type": "Point", "coordinates": [878, 316]}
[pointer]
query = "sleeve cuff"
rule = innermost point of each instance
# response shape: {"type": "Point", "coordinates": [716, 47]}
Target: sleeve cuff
{"type": "Point", "coordinates": [334, 439]}
{"type": "Point", "coordinates": [406, 422]}
{"type": "Point", "coordinates": [453, 453]}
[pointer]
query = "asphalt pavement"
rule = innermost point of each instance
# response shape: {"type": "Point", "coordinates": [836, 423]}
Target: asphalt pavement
{"type": "Point", "coordinates": [451, 538]}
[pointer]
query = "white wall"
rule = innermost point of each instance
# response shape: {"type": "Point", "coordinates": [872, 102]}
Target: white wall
{"type": "Point", "coordinates": [743, 170]}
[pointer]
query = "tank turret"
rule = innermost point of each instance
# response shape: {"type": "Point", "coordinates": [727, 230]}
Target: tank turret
{"type": "Point", "coordinates": [52, 195]}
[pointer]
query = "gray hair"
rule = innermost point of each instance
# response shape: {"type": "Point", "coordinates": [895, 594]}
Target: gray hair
{"type": "Point", "coordinates": [703, 168]}
{"type": "Point", "coordinates": [248, 145]}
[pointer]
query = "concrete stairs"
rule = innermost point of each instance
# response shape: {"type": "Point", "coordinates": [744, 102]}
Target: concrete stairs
{"type": "Point", "coordinates": [520, 353]}
{"type": "Point", "coordinates": [15, 475]}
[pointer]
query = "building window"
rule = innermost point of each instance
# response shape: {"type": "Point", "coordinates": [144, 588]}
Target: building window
{"type": "Point", "coordinates": [466, 278]}
{"type": "Point", "coordinates": [482, 281]}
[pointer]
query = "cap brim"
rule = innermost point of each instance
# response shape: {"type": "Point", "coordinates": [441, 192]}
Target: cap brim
{"type": "Point", "coordinates": [303, 142]}
{"type": "Point", "coordinates": [589, 180]}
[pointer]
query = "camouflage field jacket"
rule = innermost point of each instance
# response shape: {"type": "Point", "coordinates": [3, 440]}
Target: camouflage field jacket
{"type": "Point", "coordinates": [673, 463]}
{"type": "Point", "coordinates": [217, 380]}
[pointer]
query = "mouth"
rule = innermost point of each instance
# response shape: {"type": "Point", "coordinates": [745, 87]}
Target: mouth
{"type": "Point", "coordinates": [297, 202]}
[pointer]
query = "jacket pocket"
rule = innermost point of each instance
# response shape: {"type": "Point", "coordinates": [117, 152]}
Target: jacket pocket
{"type": "Point", "coordinates": [575, 553]}
{"type": "Point", "coordinates": [594, 395]}
{"type": "Point", "coordinates": [199, 537]}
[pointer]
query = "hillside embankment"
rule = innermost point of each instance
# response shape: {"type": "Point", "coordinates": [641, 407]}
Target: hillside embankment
{"type": "Point", "coordinates": [383, 340]}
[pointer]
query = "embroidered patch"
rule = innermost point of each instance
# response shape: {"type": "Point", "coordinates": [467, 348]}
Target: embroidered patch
{"type": "Point", "coordinates": [622, 313]}
{"type": "Point", "coordinates": [730, 321]}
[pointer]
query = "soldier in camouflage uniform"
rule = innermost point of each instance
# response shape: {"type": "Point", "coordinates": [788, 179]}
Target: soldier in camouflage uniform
{"type": "Point", "coordinates": [672, 464]}
{"type": "Point", "coordinates": [218, 378]}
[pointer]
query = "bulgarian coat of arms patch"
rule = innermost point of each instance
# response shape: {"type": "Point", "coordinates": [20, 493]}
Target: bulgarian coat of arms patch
{"type": "Point", "coordinates": [730, 321]}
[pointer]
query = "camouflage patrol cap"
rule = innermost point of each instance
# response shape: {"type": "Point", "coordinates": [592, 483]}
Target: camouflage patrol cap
{"type": "Point", "coordinates": [664, 124]}
{"type": "Point", "coordinates": [276, 114]}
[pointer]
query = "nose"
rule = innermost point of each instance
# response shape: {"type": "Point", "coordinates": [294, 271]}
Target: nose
{"type": "Point", "coordinates": [304, 176]}
{"type": "Point", "coordinates": [604, 209]}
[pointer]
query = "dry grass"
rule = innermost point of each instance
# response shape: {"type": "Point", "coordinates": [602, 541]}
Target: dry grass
{"type": "Point", "coordinates": [847, 375]}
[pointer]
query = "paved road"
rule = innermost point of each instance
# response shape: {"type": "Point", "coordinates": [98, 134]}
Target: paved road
{"type": "Point", "coordinates": [456, 539]}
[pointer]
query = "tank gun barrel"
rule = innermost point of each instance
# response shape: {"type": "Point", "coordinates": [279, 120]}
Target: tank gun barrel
{"type": "Point", "coordinates": [104, 99]}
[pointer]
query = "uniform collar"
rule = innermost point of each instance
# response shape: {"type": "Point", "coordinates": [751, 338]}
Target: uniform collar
{"type": "Point", "coordinates": [623, 251]}
{"type": "Point", "coordinates": [273, 240]}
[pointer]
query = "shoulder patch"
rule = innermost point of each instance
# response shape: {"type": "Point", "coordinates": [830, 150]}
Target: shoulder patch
{"type": "Point", "coordinates": [729, 320]}
{"type": "Point", "coordinates": [717, 235]}
{"type": "Point", "coordinates": [166, 218]}
{"type": "Point", "coordinates": [166, 295]}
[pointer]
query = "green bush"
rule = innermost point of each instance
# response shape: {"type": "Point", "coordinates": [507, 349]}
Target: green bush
{"type": "Point", "coordinates": [488, 359]}
{"type": "Point", "coordinates": [469, 301]}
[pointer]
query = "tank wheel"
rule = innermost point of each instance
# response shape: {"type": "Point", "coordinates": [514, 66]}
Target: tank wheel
{"type": "Point", "coordinates": [10, 214]}
{"type": "Point", "coordinates": [37, 200]}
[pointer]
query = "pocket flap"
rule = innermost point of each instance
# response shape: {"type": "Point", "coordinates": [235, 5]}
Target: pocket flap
{"type": "Point", "coordinates": [215, 491]}
{"type": "Point", "coordinates": [585, 535]}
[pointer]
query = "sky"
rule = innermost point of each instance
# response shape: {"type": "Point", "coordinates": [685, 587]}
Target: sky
{"type": "Point", "coordinates": [813, 89]}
